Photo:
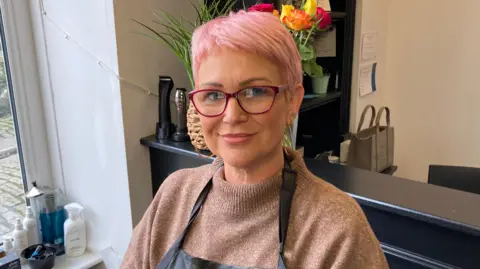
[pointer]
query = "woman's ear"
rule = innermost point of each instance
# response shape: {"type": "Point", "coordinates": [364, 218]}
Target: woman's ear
{"type": "Point", "coordinates": [297, 97]}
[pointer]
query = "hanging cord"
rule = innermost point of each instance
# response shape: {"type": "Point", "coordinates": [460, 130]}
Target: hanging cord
{"type": "Point", "coordinates": [131, 85]}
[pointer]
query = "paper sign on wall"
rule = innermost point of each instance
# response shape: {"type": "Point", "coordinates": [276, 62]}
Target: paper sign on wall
{"type": "Point", "coordinates": [367, 79]}
{"type": "Point", "coordinates": [326, 44]}
{"type": "Point", "coordinates": [325, 4]}
{"type": "Point", "coordinates": [369, 46]}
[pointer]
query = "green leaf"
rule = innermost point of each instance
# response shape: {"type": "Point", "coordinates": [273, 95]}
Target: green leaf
{"type": "Point", "coordinates": [196, 10]}
{"type": "Point", "coordinates": [306, 68]}
{"type": "Point", "coordinates": [176, 25]}
{"type": "Point", "coordinates": [312, 69]}
{"type": "Point", "coordinates": [307, 52]}
{"type": "Point", "coordinates": [228, 7]}
{"type": "Point", "coordinates": [171, 32]}
{"type": "Point", "coordinates": [159, 36]}
{"type": "Point", "coordinates": [191, 24]}
{"type": "Point", "coordinates": [317, 70]}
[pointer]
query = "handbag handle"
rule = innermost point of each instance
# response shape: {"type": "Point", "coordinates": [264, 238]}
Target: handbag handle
{"type": "Point", "coordinates": [362, 118]}
{"type": "Point", "coordinates": [379, 117]}
{"type": "Point", "coordinates": [377, 125]}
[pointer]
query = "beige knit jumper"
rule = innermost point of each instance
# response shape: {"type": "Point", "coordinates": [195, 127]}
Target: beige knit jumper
{"type": "Point", "coordinates": [238, 224]}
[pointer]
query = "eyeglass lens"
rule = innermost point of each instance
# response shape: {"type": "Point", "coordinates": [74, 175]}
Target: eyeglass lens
{"type": "Point", "coordinates": [252, 100]}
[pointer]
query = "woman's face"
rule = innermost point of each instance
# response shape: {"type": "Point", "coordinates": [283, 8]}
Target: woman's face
{"type": "Point", "coordinates": [242, 139]}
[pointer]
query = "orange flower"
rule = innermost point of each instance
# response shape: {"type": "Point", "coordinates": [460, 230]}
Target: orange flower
{"type": "Point", "coordinates": [298, 20]}
{"type": "Point", "coordinates": [276, 13]}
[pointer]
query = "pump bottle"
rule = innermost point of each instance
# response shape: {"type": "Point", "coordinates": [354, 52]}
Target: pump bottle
{"type": "Point", "coordinates": [74, 229]}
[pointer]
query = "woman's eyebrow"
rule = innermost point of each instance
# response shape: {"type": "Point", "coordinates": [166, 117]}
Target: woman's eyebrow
{"type": "Point", "coordinates": [242, 83]}
{"type": "Point", "coordinates": [250, 80]}
{"type": "Point", "coordinates": [215, 84]}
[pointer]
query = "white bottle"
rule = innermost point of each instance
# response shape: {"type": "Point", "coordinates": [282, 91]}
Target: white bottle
{"type": "Point", "coordinates": [20, 239]}
{"type": "Point", "coordinates": [74, 230]}
{"type": "Point", "coordinates": [30, 224]}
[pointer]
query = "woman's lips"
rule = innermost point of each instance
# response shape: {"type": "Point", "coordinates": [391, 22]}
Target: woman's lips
{"type": "Point", "coordinates": [237, 138]}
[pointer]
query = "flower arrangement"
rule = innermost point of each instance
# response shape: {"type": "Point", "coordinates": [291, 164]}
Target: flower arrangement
{"type": "Point", "coordinates": [303, 23]}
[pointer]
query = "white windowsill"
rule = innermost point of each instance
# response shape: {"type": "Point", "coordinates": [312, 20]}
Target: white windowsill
{"type": "Point", "coordinates": [87, 260]}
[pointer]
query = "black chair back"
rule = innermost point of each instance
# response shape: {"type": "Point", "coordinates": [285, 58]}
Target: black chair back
{"type": "Point", "coordinates": [455, 177]}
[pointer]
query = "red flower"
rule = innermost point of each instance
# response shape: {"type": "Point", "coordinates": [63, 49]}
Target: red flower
{"type": "Point", "coordinates": [262, 8]}
{"type": "Point", "coordinates": [321, 14]}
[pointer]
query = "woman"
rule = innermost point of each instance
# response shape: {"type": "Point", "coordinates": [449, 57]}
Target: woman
{"type": "Point", "coordinates": [235, 212]}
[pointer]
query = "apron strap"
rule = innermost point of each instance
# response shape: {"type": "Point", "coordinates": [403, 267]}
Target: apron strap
{"type": "Point", "coordinates": [286, 197]}
{"type": "Point", "coordinates": [174, 250]}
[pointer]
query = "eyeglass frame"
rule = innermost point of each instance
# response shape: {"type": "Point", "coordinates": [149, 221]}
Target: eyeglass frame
{"type": "Point", "coordinates": [276, 89]}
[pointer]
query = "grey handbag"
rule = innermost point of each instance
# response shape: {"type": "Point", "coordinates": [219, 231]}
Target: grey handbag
{"type": "Point", "coordinates": [372, 148]}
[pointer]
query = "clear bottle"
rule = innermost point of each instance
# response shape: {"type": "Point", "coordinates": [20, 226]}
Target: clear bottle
{"type": "Point", "coordinates": [7, 244]}
{"type": "Point", "coordinates": [48, 205]}
{"type": "Point", "coordinates": [20, 239]}
{"type": "Point", "coordinates": [74, 229]}
{"type": "Point", "coordinates": [30, 224]}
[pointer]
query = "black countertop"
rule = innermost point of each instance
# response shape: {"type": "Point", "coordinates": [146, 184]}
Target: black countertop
{"type": "Point", "coordinates": [314, 101]}
{"type": "Point", "coordinates": [183, 148]}
{"type": "Point", "coordinates": [446, 207]}
{"type": "Point", "coordinates": [450, 208]}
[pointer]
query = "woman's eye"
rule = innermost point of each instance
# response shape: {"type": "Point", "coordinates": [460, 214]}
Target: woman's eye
{"type": "Point", "coordinates": [253, 92]}
{"type": "Point", "coordinates": [213, 96]}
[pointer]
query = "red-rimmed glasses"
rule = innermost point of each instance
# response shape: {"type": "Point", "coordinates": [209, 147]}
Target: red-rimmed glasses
{"type": "Point", "coordinates": [253, 100]}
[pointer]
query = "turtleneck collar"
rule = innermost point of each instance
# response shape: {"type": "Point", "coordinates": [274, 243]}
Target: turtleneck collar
{"type": "Point", "coordinates": [244, 198]}
{"type": "Point", "coordinates": [239, 199]}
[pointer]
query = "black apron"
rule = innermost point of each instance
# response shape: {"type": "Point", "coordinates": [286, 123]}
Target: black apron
{"type": "Point", "coordinates": [176, 258]}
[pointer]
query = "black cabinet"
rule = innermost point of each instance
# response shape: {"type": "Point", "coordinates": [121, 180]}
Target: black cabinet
{"type": "Point", "coordinates": [321, 127]}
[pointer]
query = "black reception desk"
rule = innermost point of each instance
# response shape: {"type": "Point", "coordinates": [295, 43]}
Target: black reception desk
{"type": "Point", "coordinates": [419, 225]}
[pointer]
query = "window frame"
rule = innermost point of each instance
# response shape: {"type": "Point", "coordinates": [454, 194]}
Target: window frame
{"type": "Point", "coordinates": [35, 144]}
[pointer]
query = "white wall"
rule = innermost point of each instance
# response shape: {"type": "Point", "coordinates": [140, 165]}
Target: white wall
{"type": "Point", "coordinates": [94, 121]}
{"type": "Point", "coordinates": [370, 17]}
{"type": "Point", "coordinates": [433, 57]}
{"type": "Point", "coordinates": [141, 61]}
{"type": "Point", "coordinates": [83, 102]}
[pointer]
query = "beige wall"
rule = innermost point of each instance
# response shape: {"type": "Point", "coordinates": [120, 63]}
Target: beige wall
{"type": "Point", "coordinates": [432, 76]}
{"type": "Point", "coordinates": [141, 60]}
{"type": "Point", "coordinates": [429, 79]}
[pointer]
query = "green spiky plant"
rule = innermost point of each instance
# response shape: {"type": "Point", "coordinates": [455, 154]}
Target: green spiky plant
{"type": "Point", "coordinates": [177, 32]}
{"type": "Point", "coordinates": [177, 35]}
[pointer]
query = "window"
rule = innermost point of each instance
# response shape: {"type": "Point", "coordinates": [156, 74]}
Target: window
{"type": "Point", "coordinates": [12, 188]}
{"type": "Point", "coordinates": [24, 154]}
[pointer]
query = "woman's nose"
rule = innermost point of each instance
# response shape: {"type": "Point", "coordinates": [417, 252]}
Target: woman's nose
{"type": "Point", "coordinates": [233, 112]}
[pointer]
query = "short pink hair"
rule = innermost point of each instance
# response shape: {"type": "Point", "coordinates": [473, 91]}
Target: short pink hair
{"type": "Point", "coordinates": [259, 33]}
